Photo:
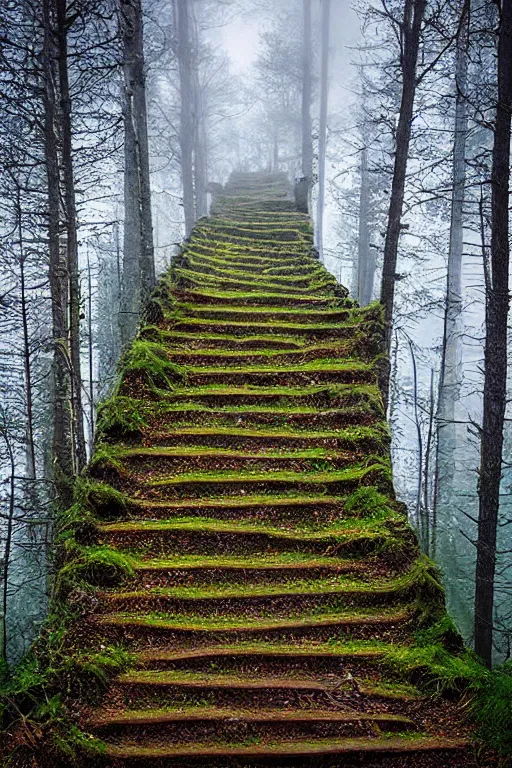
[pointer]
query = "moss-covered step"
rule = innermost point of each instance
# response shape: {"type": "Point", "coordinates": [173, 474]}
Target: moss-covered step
{"type": "Point", "coordinates": [238, 483]}
{"type": "Point", "coordinates": [361, 659]}
{"type": "Point", "coordinates": [223, 724]}
{"type": "Point", "coordinates": [279, 599]}
{"type": "Point", "coordinates": [369, 440]}
{"type": "Point", "coordinates": [321, 371]}
{"type": "Point", "coordinates": [191, 280]}
{"type": "Point", "coordinates": [224, 269]}
{"type": "Point", "coordinates": [261, 298]}
{"type": "Point", "coordinates": [316, 397]}
{"type": "Point", "coordinates": [250, 326]}
{"type": "Point", "coordinates": [186, 631]}
{"type": "Point", "coordinates": [282, 509]}
{"type": "Point", "coordinates": [161, 687]}
{"type": "Point", "coordinates": [254, 312]}
{"type": "Point", "coordinates": [278, 358]}
{"type": "Point", "coordinates": [381, 752]}
{"type": "Point", "coordinates": [206, 536]}
{"type": "Point", "coordinates": [159, 463]}
{"type": "Point", "coordinates": [260, 569]}
{"type": "Point", "coordinates": [183, 339]}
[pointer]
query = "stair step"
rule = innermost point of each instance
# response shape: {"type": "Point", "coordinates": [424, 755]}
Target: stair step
{"type": "Point", "coordinates": [163, 463]}
{"type": "Point", "coordinates": [318, 372]}
{"type": "Point", "coordinates": [389, 625]}
{"type": "Point", "coordinates": [321, 508]}
{"type": "Point", "coordinates": [349, 753]}
{"type": "Point", "coordinates": [371, 440]}
{"type": "Point", "coordinates": [266, 357]}
{"type": "Point", "coordinates": [261, 569]}
{"type": "Point", "coordinates": [257, 298]}
{"type": "Point", "coordinates": [336, 319]}
{"type": "Point", "coordinates": [222, 724]}
{"type": "Point", "coordinates": [335, 482]}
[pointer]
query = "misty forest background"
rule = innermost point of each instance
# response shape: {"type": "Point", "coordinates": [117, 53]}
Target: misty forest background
{"type": "Point", "coordinates": [118, 118]}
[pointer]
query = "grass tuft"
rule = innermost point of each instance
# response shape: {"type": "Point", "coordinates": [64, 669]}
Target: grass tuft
{"type": "Point", "coordinates": [147, 363]}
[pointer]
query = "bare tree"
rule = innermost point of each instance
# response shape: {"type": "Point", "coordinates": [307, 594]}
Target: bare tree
{"type": "Point", "coordinates": [322, 140]}
{"type": "Point", "coordinates": [63, 23]}
{"type": "Point", "coordinates": [409, 28]}
{"type": "Point", "coordinates": [495, 356]}
{"type": "Point", "coordinates": [449, 379]}
{"type": "Point", "coordinates": [182, 16]}
{"type": "Point", "coordinates": [138, 252]}
{"type": "Point", "coordinates": [307, 91]}
{"type": "Point", "coordinates": [62, 452]}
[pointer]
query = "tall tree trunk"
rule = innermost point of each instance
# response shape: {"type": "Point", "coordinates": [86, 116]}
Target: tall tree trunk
{"type": "Point", "coordinates": [365, 254]}
{"type": "Point", "coordinates": [140, 118]}
{"type": "Point", "coordinates": [9, 533]}
{"type": "Point", "coordinates": [307, 91]}
{"type": "Point", "coordinates": [414, 11]}
{"type": "Point", "coordinates": [90, 345]}
{"type": "Point", "coordinates": [62, 447]}
{"type": "Point", "coordinates": [138, 251]}
{"type": "Point", "coordinates": [30, 446]}
{"type": "Point", "coordinates": [495, 356]}
{"type": "Point", "coordinates": [70, 219]}
{"type": "Point", "coordinates": [131, 278]}
{"type": "Point", "coordinates": [186, 126]}
{"type": "Point", "coordinates": [200, 141]}
{"type": "Point", "coordinates": [322, 141]}
{"type": "Point", "coordinates": [449, 379]}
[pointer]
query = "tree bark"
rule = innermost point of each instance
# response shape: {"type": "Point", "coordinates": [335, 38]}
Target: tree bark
{"type": "Point", "coordinates": [140, 117]}
{"type": "Point", "coordinates": [186, 126]}
{"type": "Point", "coordinates": [322, 141]}
{"type": "Point", "coordinates": [62, 448]}
{"type": "Point", "coordinates": [138, 248]}
{"type": "Point", "coordinates": [495, 355]}
{"type": "Point", "coordinates": [449, 379]}
{"type": "Point", "coordinates": [307, 90]}
{"type": "Point", "coordinates": [365, 255]}
{"type": "Point", "coordinates": [30, 447]}
{"type": "Point", "coordinates": [410, 30]}
{"type": "Point", "coordinates": [70, 219]}
{"type": "Point", "coordinates": [200, 141]}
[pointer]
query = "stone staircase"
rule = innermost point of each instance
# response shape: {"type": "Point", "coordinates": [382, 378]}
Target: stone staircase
{"type": "Point", "coordinates": [272, 576]}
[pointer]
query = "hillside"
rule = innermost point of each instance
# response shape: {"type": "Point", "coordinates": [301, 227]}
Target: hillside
{"type": "Point", "coordinates": [237, 533]}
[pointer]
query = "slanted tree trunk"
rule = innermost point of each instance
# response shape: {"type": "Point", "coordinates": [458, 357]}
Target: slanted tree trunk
{"type": "Point", "coordinates": [410, 31]}
{"type": "Point", "coordinates": [70, 222]}
{"type": "Point", "coordinates": [495, 355]}
{"type": "Point", "coordinates": [449, 379]}
{"type": "Point", "coordinates": [186, 124]}
{"type": "Point", "coordinates": [322, 141]}
{"type": "Point", "coordinates": [62, 447]}
{"type": "Point", "coordinates": [138, 249]}
{"type": "Point", "coordinates": [307, 90]}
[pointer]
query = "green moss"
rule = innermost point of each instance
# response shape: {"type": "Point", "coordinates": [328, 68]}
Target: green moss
{"type": "Point", "coordinates": [35, 698]}
{"type": "Point", "coordinates": [97, 566]}
{"type": "Point", "coordinates": [367, 501]}
{"type": "Point", "coordinates": [161, 304]}
{"type": "Point", "coordinates": [492, 708]}
{"type": "Point", "coordinates": [121, 417]}
{"type": "Point", "coordinates": [147, 363]}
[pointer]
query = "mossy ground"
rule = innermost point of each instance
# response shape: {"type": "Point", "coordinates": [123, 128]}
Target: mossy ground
{"type": "Point", "coordinates": [237, 533]}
